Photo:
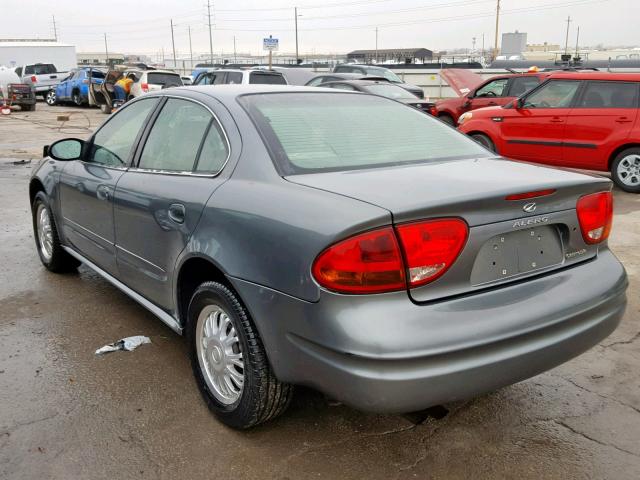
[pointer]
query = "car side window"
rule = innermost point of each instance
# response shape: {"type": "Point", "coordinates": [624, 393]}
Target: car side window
{"type": "Point", "coordinates": [553, 94]}
{"type": "Point", "coordinates": [19, 71]}
{"type": "Point", "coordinates": [28, 70]}
{"type": "Point", "coordinates": [609, 95]}
{"type": "Point", "coordinates": [495, 88]}
{"type": "Point", "coordinates": [316, 81]}
{"type": "Point", "coordinates": [214, 152]}
{"type": "Point", "coordinates": [218, 79]}
{"type": "Point", "coordinates": [113, 143]}
{"type": "Point", "coordinates": [521, 85]}
{"type": "Point", "coordinates": [206, 79]}
{"type": "Point", "coordinates": [175, 137]}
{"type": "Point", "coordinates": [234, 77]}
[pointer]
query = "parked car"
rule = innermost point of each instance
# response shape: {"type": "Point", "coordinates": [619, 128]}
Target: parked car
{"type": "Point", "coordinates": [13, 92]}
{"type": "Point", "coordinates": [372, 71]}
{"type": "Point", "coordinates": [384, 88]}
{"type": "Point", "coordinates": [332, 239]}
{"type": "Point", "coordinates": [240, 77]}
{"type": "Point", "coordinates": [332, 77]}
{"type": "Point", "coordinates": [578, 120]}
{"type": "Point", "coordinates": [474, 92]}
{"type": "Point", "coordinates": [147, 81]}
{"type": "Point", "coordinates": [75, 88]}
{"type": "Point", "coordinates": [42, 77]}
{"type": "Point", "coordinates": [186, 80]}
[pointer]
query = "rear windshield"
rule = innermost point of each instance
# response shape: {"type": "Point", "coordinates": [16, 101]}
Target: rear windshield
{"type": "Point", "coordinates": [390, 91]}
{"type": "Point", "coordinates": [316, 132]}
{"type": "Point", "coordinates": [267, 78]}
{"type": "Point", "coordinates": [40, 69]}
{"type": "Point", "coordinates": [383, 72]}
{"type": "Point", "coordinates": [172, 79]}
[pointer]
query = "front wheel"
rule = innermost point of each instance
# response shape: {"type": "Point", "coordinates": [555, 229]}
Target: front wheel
{"type": "Point", "coordinates": [625, 170]}
{"type": "Point", "coordinates": [229, 361]}
{"type": "Point", "coordinates": [77, 99]}
{"type": "Point", "coordinates": [51, 253]}
{"type": "Point", "coordinates": [485, 141]}
{"type": "Point", "coordinates": [51, 98]}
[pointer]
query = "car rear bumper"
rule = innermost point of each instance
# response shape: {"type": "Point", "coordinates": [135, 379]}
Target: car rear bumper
{"type": "Point", "coordinates": [384, 353]}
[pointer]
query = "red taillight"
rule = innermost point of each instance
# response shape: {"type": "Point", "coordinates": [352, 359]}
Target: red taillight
{"type": "Point", "coordinates": [595, 214]}
{"type": "Point", "coordinates": [433, 111]}
{"type": "Point", "coordinates": [537, 193]}
{"type": "Point", "coordinates": [431, 247]}
{"type": "Point", "coordinates": [34, 79]}
{"type": "Point", "coordinates": [145, 87]}
{"type": "Point", "coordinates": [367, 263]}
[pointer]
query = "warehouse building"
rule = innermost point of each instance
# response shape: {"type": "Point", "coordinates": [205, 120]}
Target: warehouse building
{"type": "Point", "coordinates": [399, 55]}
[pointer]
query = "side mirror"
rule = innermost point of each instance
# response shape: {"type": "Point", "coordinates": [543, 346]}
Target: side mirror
{"type": "Point", "coordinates": [66, 149]}
{"type": "Point", "coordinates": [519, 103]}
{"type": "Point", "coordinates": [467, 102]}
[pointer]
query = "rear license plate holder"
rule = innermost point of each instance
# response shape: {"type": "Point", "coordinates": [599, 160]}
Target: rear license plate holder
{"type": "Point", "coordinates": [517, 253]}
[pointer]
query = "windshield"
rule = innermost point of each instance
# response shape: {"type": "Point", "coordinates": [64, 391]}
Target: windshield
{"type": "Point", "coordinates": [383, 72]}
{"type": "Point", "coordinates": [390, 91]}
{"type": "Point", "coordinates": [316, 132]}
{"type": "Point", "coordinates": [172, 79]}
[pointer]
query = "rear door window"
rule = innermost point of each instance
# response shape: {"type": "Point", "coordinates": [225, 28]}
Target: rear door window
{"type": "Point", "coordinates": [165, 79]}
{"type": "Point", "coordinates": [234, 77]}
{"type": "Point", "coordinates": [214, 152]}
{"type": "Point", "coordinates": [176, 136]}
{"type": "Point", "coordinates": [265, 78]}
{"type": "Point", "coordinates": [609, 95]}
{"type": "Point", "coordinates": [521, 85]}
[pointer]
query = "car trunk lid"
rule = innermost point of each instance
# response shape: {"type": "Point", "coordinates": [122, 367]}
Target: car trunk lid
{"type": "Point", "coordinates": [508, 239]}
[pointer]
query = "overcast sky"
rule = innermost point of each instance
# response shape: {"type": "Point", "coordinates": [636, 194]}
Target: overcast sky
{"type": "Point", "coordinates": [329, 26]}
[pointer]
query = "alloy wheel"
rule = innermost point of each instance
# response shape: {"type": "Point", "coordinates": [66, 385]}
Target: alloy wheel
{"type": "Point", "coordinates": [45, 232]}
{"type": "Point", "coordinates": [220, 354]}
{"type": "Point", "coordinates": [51, 98]}
{"type": "Point", "coordinates": [628, 170]}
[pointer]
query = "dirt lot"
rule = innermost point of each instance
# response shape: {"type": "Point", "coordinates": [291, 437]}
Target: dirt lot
{"type": "Point", "coordinates": [66, 414]}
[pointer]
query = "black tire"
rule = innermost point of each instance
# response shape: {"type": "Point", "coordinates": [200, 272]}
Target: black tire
{"type": "Point", "coordinates": [77, 99]}
{"type": "Point", "coordinates": [448, 119]}
{"type": "Point", "coordinates": [104, 108]}
{"type": "Point", "coordinates": [263, 396]}
{"type": "Point", "coordinates": [59, 261]}
{"type": "Point", "coordinates": [485, 141]}
{"type": "Point", "coordinates": [51, 98]}
{"type": "Point", "coordinates": [29, 108]}
{"type": "Point", "coordinates": [628, 179]}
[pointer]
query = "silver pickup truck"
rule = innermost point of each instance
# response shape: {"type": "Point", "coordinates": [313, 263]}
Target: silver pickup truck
{"type": "Point", "coordinates": [41, 76]}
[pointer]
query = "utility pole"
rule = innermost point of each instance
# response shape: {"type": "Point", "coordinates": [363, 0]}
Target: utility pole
{"type": "Point", "coordinates": [106, 50]}
{"type": "Point", "coordinates": [495, 44]}
{"type": "Point", "coordinates": [55, 30]}
{"type": "Point", "coordinates": [482, 54]}
{"type": "Point", "coordinates": [577, 40]}
{"type": "Point", "coordinates": [376, 45]}
{"type": "Point", "coordinates": [566, 41]}
{"type": "Point", "coordinates": [235, 59]}
{"type": "Point", "coordinates": [295, 13]}
{"type": "Point", "coordinates": [210, 34]}
{"type": "Point", "coordinates": [173, 45]}
{"type": "Point", "coordinates": [190, 48]}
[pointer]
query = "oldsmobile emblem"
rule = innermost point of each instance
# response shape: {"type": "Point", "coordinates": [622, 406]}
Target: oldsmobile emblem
{"type": "Point", "coordinates": [529, 207]}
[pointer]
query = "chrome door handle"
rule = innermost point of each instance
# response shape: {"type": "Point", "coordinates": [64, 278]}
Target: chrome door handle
{"type": "Point", "coordinates": [177, 212]}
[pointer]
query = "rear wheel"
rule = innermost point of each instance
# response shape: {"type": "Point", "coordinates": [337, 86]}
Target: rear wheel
{"type": "Point", "coordinates": [625, 170]}
{"type": "Point", "coordinates": [485, 141]}
{"type": "Point", "coordinates": [448, 119]}
{"type": "Point", "coordinates": [51, 98]}
{"type": "Point", "coordinates": [29, 108]}
{"type": "Point", "coordinates": [229, 361]}
{"type": "Point", "coordinates": [77, 99]}
{"type": "Point", "coordinates": [104, 108]}
{"type": "Point", "coordinates": [51, 253]}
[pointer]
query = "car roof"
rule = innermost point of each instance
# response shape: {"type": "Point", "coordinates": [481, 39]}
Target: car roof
{"type": "Point", "coordinates": [362, 82]}
{"type": "Point", "coordinates": [621, 77]}
{"type": "Point", "coordinates": [248, 70]}
{"type": "Point", "coordinates": [229, 92]}
{"type": "Point", "coordinates": [152, 71]}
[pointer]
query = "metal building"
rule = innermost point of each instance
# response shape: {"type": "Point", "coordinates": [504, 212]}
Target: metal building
{"type": "Point", "coordinates": [513, 43]}
{"type": "Point", "coordinates": [400, 55]}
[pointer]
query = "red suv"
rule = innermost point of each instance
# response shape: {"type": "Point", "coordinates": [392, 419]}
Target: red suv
{"type": "Point", "coordinates": [580, 120]}
{"type": "Point", "coordinates": [476, 93]}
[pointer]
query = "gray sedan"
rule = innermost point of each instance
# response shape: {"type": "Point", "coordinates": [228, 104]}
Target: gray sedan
{"type": "Point", "coordinates": [338, 240]}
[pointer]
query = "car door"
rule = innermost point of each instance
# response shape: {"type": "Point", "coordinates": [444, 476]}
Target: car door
{"type": "Point", "coordinates": [64, 89]}
{"type": "Point", "coordinates": [490, 94]}
{"type": "Point", "coordinates": [87, 186]}
{"type": "Point", "coordinates": [534, 128]}
{"type": "Point", "coordinates": [601, 120]}
{"type": "Point", "coordinates": [158, 204]}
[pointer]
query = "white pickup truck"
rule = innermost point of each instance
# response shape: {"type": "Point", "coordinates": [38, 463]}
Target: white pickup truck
{"type": "Point", "coordinates": [41, 76]}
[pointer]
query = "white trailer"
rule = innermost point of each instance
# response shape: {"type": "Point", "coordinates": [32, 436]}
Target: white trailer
{"type": "Point", "coordinates": [14, 53]}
